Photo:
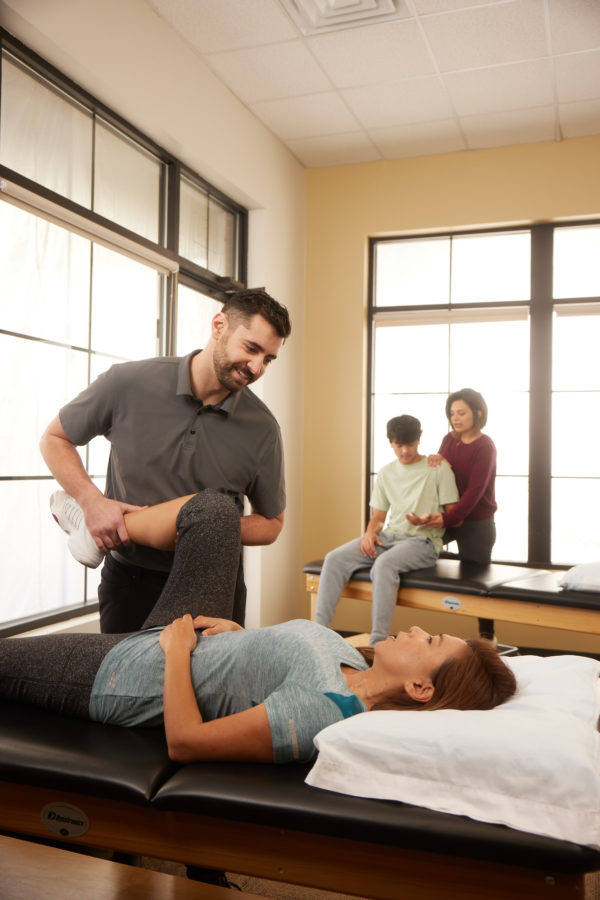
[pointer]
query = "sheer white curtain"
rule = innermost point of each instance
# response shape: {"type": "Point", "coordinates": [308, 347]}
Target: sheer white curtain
{"type": "Point", "coordinates": [45, 135]}
{"type": "Point", "coordinates": [207, 231]}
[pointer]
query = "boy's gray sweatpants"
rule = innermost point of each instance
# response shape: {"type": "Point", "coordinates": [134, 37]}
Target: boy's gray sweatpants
{"type": "Point", "coordinates": [396, 554]}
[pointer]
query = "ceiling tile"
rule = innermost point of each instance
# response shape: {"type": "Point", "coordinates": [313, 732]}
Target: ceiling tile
{"type": "Point", "coordinates": [423, 7]}
{"type": "Point", "coordinates": [214, 25]}
{"type": "Point", "coordinates": [420, 139]}
{"type": "Point", "coordinates": [309, 116]}
{"type": "Point", "coordinates": [515, 86]}
{"type": "Point", "coordinates": [334, 150]}
{"type": "Point", "coordinates": [384, 105]}
{"type": "Point", "coordinates": [374, 54]}
{"type": "Point", "coordinates": [320, 16]}
{"type": "Point", "coordinates": [488, 35]}
{"type": "Point", "coordinates": [578, 76]}
{"type": "Point", "coordinates": [524, 126]}
{"type": "Point", "coordinates": [446, 75]}
{"type": "Point", "coordinates": [269, 73]}
{"type": "Point", "coordinates": [579, 119]}
{"type": "Point", "coordinates": [574, 25]}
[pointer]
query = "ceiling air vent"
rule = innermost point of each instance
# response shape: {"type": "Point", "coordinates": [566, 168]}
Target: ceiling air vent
{"type": "Point", "coordinates": [318, 16]}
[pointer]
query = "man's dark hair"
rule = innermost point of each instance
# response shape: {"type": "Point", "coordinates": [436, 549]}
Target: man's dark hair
{"type": "Point", "coordinates": [404, 429]}
{"type": "Point", "coordinates": [243, 305]}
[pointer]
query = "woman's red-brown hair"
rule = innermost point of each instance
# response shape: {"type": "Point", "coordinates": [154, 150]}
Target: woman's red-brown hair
{"type": "Point", "coordinates": [476, 679]}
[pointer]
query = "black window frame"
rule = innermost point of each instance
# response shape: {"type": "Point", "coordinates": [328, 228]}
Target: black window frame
{"type": "Point", "coordinates": [541, 308]}
{"type": "Point", "coordinates": [189, 274]}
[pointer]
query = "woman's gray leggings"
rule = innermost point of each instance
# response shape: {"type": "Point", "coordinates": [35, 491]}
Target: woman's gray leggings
{"type": "Point", "coordinates": [57, 671]}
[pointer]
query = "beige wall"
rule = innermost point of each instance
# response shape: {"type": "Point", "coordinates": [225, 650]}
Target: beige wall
{"type": "Point", "coordinates": [122, 52]}
{"type": "Point", "coordinates": [345, 206]}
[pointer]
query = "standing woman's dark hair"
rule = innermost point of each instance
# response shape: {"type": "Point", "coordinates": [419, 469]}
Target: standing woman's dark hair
{"type": "Point", "coordinates": [474, 401]}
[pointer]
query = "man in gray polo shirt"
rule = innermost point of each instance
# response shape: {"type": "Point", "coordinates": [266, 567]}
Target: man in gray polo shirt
{"type": "Point", "coordinates": [176, 426]}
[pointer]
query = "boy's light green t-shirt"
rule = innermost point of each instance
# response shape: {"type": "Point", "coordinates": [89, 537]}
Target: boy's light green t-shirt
{"type": "Point", "coordinates": [415, 488]}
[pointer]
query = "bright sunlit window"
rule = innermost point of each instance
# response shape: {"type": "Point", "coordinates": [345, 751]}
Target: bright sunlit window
{"type": "Point", "coordinates": [456, 311]}
{"type": "Point", "coordinates": [90, 264]}
{"type": "Point", "coordinates": [207, 230]}
{"type": "Point", "coordinates": [195, 312]}
{"type": "Point", "coordinates": [576, 395]}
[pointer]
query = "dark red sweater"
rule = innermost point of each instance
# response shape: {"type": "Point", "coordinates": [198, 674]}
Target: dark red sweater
{"type": "Point", "coordinates": [474, 467]}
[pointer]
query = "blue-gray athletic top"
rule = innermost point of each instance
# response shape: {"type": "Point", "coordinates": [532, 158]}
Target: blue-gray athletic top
{"type": "Point", "coordinates": [294, 668]}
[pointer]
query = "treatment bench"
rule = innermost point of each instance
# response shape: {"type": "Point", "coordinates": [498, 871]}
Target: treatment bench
{"type": "Point", "coordinates": [101, 786]}
{"type": "Point", "coordinates": [488, 592]}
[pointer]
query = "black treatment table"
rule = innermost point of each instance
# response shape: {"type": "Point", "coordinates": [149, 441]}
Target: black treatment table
{"type": "Point", "coordinates": [103, 786]}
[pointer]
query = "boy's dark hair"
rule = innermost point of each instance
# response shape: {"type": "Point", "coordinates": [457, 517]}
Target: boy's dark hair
{"type": "Point", "coordinates": [243, 305]}
{"type": "Point", "coordinates": [404, 429]}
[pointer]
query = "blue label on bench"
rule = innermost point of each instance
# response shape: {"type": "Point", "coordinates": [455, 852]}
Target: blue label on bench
{"type": "Point", "coordinates": [451, 603]}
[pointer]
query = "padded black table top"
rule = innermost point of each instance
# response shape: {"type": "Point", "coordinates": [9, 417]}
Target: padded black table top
{"type": "Point", "coordinates": [446, 575]}
{"type": "Point", "coordinates": [543, 587]}
{"type": "Point", "coordinates": [498, 581]}
{"type": "Point", "coordinates": [48, 750]}
{"type": "Point", "coordinates": [277, 796]}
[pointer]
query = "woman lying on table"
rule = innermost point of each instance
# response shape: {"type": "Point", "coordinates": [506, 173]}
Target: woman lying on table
{"type": "Point", "coordinates": [225, 693]}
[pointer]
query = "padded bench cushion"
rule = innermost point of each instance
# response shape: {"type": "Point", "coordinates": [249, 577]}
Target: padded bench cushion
{"type": "Point", "coordinates": [446, 575]}
{"type": "Point", "coordinates": [543, 587]}
{"type": "Point", "coordinates": [277, 796]}
{"type": "Point", "coordinates": [504, 582]}
{"type": "Point", "coordinates": [47, 750]}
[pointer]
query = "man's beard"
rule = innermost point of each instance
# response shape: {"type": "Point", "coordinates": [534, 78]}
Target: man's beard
{"type": "Point", "coordinates": [224, 371]}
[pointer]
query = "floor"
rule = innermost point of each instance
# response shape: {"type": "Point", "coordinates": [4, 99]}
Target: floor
{"type": "Point", "coordinates": [263, 888]}
{"type": "Point", "coordinates": [280, 891]}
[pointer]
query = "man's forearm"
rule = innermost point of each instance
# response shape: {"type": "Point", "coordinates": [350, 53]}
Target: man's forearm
{"type": "Point", "coordinates": [259, 531]}
{"type": "Point", "coordinates": [103, 517]}
{"type": "Point", "coordinates": [65, 463]}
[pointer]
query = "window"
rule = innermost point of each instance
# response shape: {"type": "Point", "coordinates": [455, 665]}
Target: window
{"type": "Point", "coordinates": [575, 394]}
{"type": "Point", "coordinates": [46, 135]}
{"type": "Point", "coordinates": [127, 183]}
{"type": "Point", "coordinates": [194, 314]}
{"type": "Point", "coordinates": [514, 314]}
{"type": "Point", "coordinates": [207, 229]}
{"type": "Point", "coordinates": [96, 269]}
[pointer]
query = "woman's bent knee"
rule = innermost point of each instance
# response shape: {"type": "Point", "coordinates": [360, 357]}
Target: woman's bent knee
{"type": "Point", "coordinates": [210, 505]}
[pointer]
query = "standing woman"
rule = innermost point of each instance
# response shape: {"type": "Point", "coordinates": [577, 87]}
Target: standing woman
{"type": "Point", "coordinates": [472, 456]}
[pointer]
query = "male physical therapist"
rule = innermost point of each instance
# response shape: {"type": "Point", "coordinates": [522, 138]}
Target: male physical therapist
{"type": "Point", "coordinates": [176, 425]}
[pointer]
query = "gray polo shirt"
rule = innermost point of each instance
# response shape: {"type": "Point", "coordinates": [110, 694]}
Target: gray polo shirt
{"type": "Point", "coordinates": [166, 443]}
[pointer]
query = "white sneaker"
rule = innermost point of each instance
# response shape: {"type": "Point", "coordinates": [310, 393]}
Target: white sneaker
{"type": "Point", "coordinates": [69, 515]}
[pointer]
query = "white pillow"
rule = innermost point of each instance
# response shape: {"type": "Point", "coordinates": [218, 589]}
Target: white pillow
{"type": "Point", "coordinates": [532, 764]}
{"type": "Point", "coordinates": [585, 577]}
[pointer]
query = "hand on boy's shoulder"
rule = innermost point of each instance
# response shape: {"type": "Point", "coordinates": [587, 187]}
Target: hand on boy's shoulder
{"type": "Point", "coordinates": [436, 461]}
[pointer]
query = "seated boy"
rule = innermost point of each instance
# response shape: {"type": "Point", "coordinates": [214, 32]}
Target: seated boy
{"type": "Point", "coordinates": [408, 488]}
